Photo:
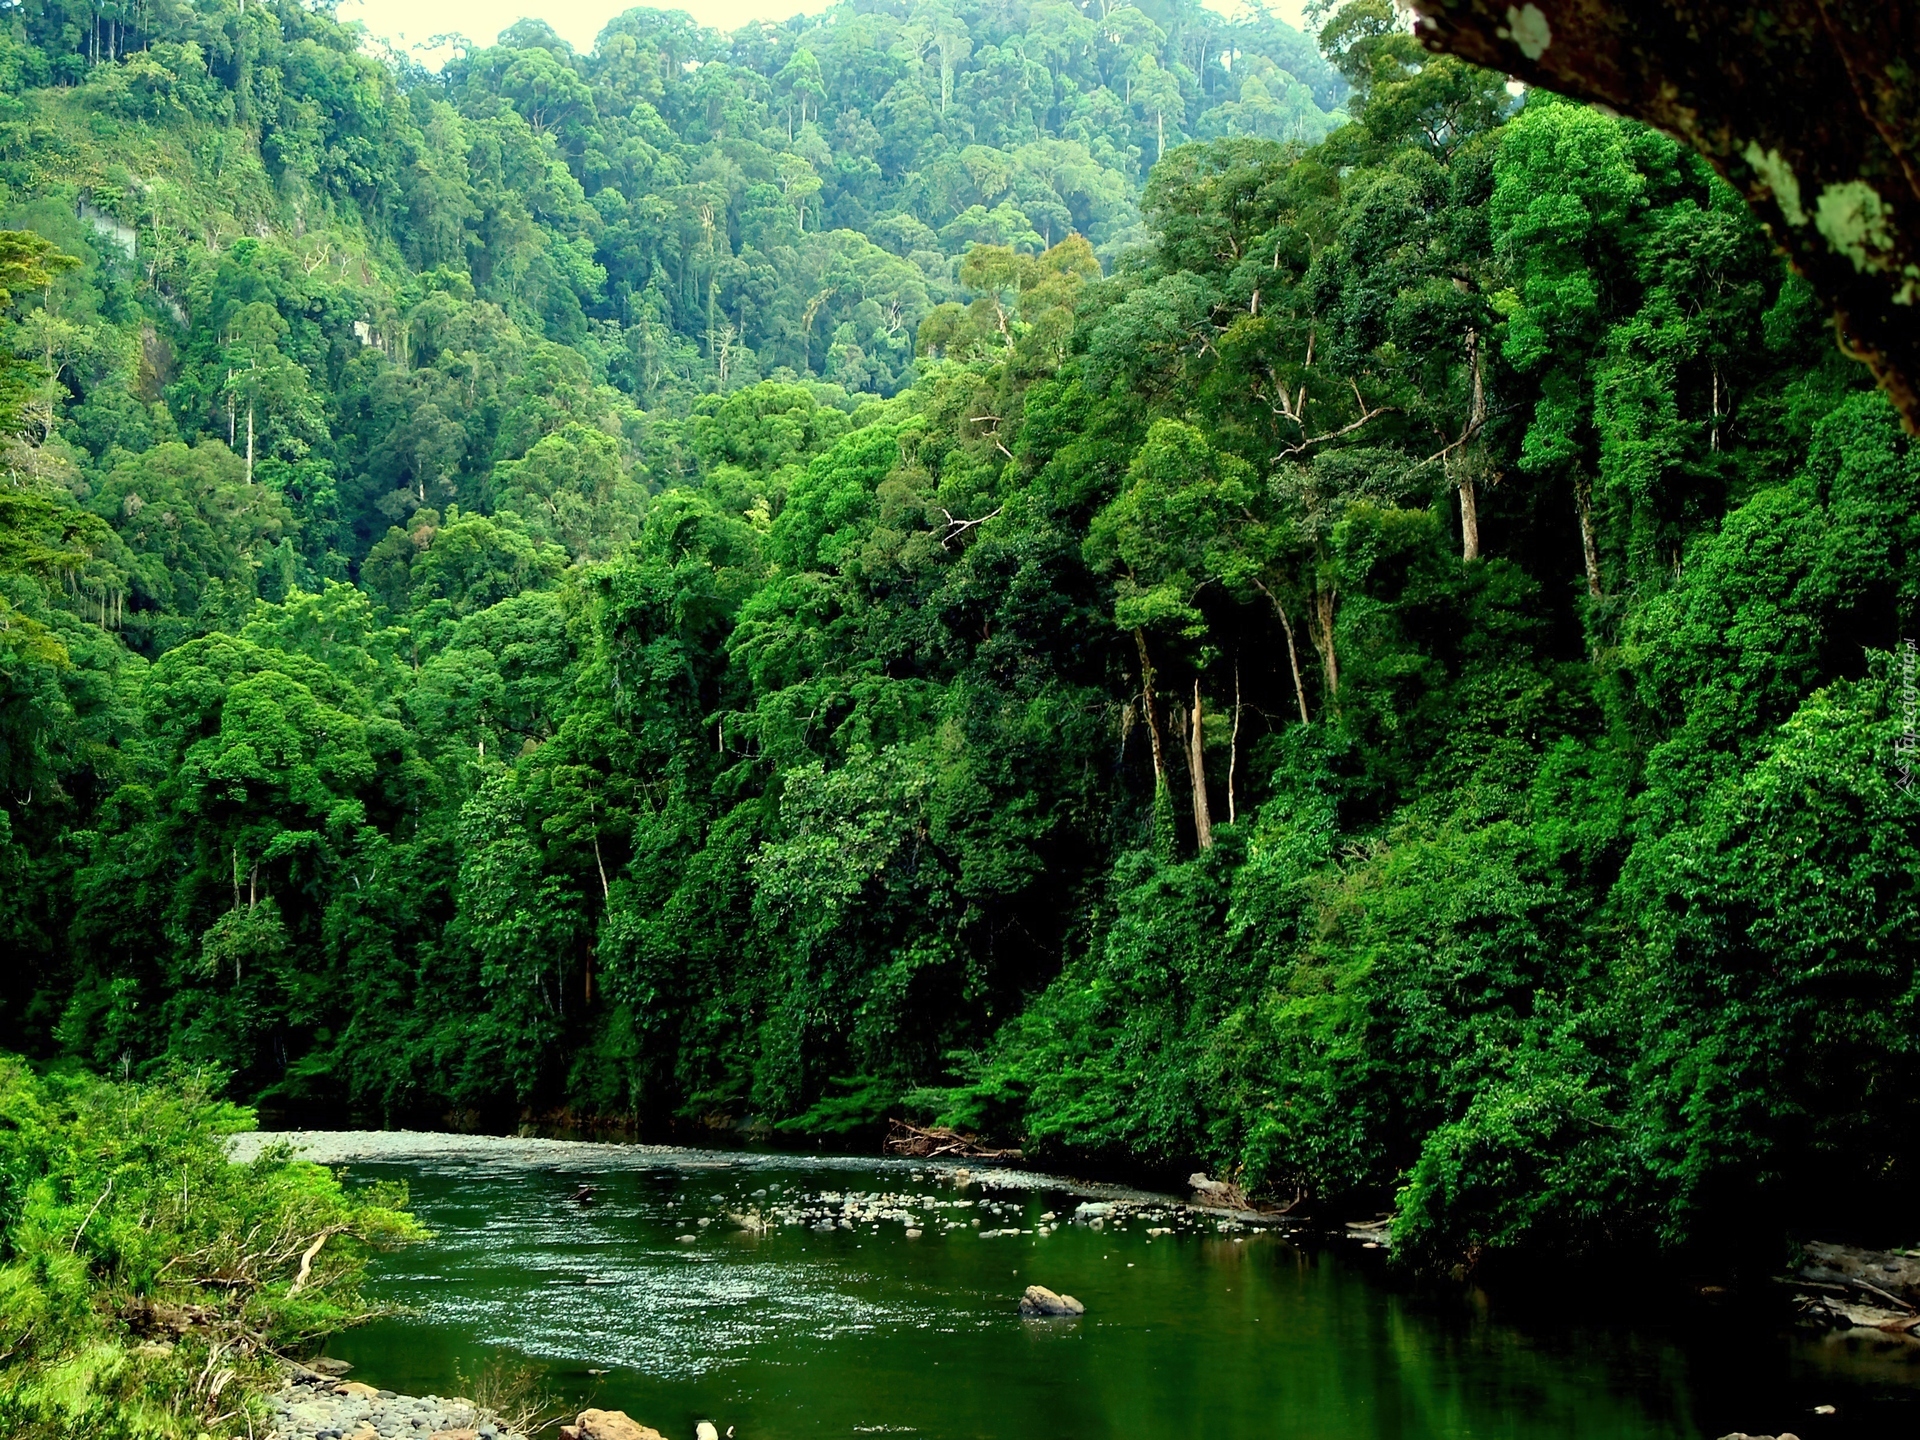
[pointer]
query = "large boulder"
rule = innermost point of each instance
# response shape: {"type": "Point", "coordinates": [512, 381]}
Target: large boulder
{"type": "Point", "coordinates": [1040, 1302]}
{"type": "Point", "coordinates": [608, 1425]}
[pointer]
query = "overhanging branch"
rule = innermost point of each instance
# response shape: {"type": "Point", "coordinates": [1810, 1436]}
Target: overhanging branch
{"type": "Point", "coordinates": [1809, 108]}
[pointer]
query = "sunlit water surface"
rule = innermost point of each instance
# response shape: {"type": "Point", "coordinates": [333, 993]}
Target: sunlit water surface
{"type": "Point", "coordinates": [800, 1332]}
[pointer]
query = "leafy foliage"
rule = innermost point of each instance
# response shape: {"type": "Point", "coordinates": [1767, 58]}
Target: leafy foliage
{"type": "Point", "coordinates": [145, 1281]}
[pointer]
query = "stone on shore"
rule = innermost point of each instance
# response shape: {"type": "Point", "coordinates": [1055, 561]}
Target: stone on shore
{"type": "Point", "coordinates": [1040, 1301]}
{"type": "Point", "coordinates": [608, 1425]}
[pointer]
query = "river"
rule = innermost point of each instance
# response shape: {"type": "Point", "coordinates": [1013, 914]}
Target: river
{"type": "Point", "coordinates": [819, 1328]}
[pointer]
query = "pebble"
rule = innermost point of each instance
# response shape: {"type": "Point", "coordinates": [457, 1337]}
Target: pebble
{"type": "Point", "coordinates": [322, 1409]}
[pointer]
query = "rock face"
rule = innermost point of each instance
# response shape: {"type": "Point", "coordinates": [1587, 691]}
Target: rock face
{"type": "Point", "coordinates": [608, 1425]}
{"type": "Point", "coordinates": [1040, 1302]}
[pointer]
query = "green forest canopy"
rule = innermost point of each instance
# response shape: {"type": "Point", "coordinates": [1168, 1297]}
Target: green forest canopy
{"type": "Point", "coordinates": [1090, 574]}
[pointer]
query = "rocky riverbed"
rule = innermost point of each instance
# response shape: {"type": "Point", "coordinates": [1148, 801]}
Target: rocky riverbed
{"type": "Point", "coordinates": [969, 1205]}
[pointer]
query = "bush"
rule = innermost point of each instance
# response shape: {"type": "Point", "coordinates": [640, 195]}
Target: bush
{"type": "Point", "coordinates": [146, 1282]}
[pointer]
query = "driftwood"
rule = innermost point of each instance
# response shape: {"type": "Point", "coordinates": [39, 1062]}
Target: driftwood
{"type": "Point", "coordinates": [1843, 1285]}
{"type": "Point", "coordinates": [931, 1143]}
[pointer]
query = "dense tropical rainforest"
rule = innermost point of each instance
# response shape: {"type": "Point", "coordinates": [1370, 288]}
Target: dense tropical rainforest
{"type": "Point", "coordinates": [1138, 584]}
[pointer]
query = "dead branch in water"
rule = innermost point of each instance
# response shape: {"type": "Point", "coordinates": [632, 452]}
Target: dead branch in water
{"type": "Point", "coordinates": [928, 1144]}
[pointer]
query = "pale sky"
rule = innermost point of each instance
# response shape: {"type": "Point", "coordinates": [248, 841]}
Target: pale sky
{"type": "Point", "coordinates": [404, 23]}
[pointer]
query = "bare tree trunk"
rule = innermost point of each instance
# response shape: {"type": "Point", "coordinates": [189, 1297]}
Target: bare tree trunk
{"type": "Point", "coordinates": [1151, 706]}
{"type": "Point", "coordinates": [606, 892]}
{"type": "Point", "coordinates": [249, 442]}
{"type": "Point", "coordinates": [1233, 744]}
{"type": "Point", "coordinates": [1589, 551]}
{"type": "Point", "coordinates": [1476, 419]}
{"type": "Point", "coordinates": [1714, 439]}
{"type": "Point", "coordinates": [1469, 520]}
{"type": "Point", "coordinates": [1326, 603]}
{"type": "Point", "coordinates": [1293, 651]}
{"type": "Point", "coordinates": [1197, 769]}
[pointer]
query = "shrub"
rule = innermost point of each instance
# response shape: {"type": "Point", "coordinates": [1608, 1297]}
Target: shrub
{"type": "Point", "coordinates": [146, 1282]}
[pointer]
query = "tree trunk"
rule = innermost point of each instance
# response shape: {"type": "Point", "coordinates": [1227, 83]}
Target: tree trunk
{"type": "Point", "coordinates": [1197, 768]}
{"type": "Point", "coordinates": [1151, 706]}
{"type": "Point", "coordinates": [1714, 438]}
{"type": "Point", "coordinates": [249, 442]}
{"type": "Point", "coordinates": [1293, 651]}
{"type": "Point", "coordinates": [1233, 745]}
{"type": "Point", "coordinates": [1589, 551]}
{"type": "Point", "coordinates": [1807, 107]}
{"type": "Point", "coordinates": [1326, 603]}
{"type": "Point", "coordinates": [1476, 420]}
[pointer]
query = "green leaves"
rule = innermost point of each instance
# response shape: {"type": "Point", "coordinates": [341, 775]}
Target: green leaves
{"type": "Point", "coordinates": [818, 525]}
{"type": "Point", "coordinates": [118, 1203]}
{"type": "Point", "coordinates": [1175, 528]}
{"type": "Point", "coordinates": [1773, 963]}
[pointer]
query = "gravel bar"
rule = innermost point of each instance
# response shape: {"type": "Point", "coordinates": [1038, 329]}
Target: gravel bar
{"type": "Point", "coordinates": [322, 1409]}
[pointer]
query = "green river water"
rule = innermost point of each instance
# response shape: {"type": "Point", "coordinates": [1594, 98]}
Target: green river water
{"type": "Point", "coordinates": [1215, 1336]}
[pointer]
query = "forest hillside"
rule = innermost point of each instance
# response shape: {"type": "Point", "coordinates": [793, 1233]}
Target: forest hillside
{"type": "Point", "coordinates": [1142, 585]}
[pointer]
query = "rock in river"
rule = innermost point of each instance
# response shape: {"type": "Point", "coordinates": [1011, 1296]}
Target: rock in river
{"type": "Point", "coordinates": [1040, 1301]}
